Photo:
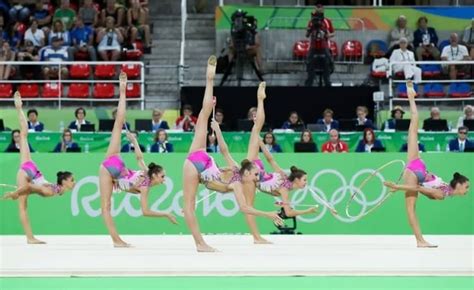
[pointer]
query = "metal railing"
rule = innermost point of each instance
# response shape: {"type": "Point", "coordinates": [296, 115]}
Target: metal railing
{"type": "Point", "coordinates": [280, 34]}
{"type": "Point", "coordinates": [392, 81]}
{"type": "Point", "coordinates": [62, 96]}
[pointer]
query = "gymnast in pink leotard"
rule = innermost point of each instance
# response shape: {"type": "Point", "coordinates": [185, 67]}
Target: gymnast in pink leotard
{"type": "Point", "coordinates": [418, 179]}
{"type": "Point", "coordinates": [277, 183]}
{"type": "Point", "coordinates": [30, 180]}
{"type": "Point", "coordinates": [114, 176]}
{"type": "Point", "coordinates": [199, 167]}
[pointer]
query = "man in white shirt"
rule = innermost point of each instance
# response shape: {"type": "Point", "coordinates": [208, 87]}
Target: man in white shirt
{"type": "Point", "coordinates": [35, 35]}
{"type": "Point", "coordinates": [402, 54]}
{"type": "Point", "coordinates": [454, 52]}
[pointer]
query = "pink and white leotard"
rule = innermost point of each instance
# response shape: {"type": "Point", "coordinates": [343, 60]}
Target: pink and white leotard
{"type": "Point", "coordinates": [270, 182]}
{"type": "Point", "coordinates": [426, 179]}
{"type": "Point", "coordinates": [125, 178]}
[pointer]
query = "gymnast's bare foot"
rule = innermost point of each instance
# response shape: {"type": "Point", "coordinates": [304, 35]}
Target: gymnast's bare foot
{"type": "Point", "coordinates": [425, 244]}
{"type": "Point", "coordinates": [18, 102]}
{"type": "Point", "coordinates": [205, 248]}
{"type": "Point", "coordinates": [211, 67]}
{"type": "Point", "coordinates": [261, 241]}
{"type": "Point", "coordinates": [121, 244]}
{"type": "Point", "coordinates": [10, 195]}
{"type": "Point", "coordinates": [261, 91]}
{"type": "Point", "coordinates": [34, 241]}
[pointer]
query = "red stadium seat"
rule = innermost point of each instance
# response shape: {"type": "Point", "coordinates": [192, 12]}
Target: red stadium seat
{"type": "Point", "coordinates": [104, 91]}
{"type": "Point", "coordinates": [132, 70]}
{"type": "Point", "coordinates": [6, 90]}
{"type": "Point", "coordinates": [82, 55]}
{"type": "Point", "coordinates": [133, 90]}
{"type": "Point", "coordinates": [301, 49]}
{"type": "Point", "coordinates": [29, 90]}
{"type": "Point", "coordinates": [52, 90]}
{"type": "Point", "coordinates": [134, 54]}
{"type": "Point", "coordinates": [333, 48]}
{"type": "Point", "coordinates": [79, 71]}
{"type": "Point", "coordinates": [105, 71]}
{"type": "Point", "coordinates": [79, 91]}
{"type": "Point", "coordinates": [352, 49]}
{"type": "Point", "coordinates": [378, 74]}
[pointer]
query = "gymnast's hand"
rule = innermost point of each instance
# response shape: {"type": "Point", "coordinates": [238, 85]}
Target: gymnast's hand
{"type": "Point", "coordinates": [131, 137]}
{"type": "Point", "coordinates": [172, 218]}
{"type": "Point", "coordinates": [276, 218]}
{"type": "Point", "coordinates": [215, 126]}
{"type": "Point", "coordinates": [393, 187]}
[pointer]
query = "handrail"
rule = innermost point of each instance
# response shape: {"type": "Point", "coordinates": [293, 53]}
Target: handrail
{"type": "Point", "coordinates": [392, 63]}
{"type": "Point", "coordinates": [184, 17]}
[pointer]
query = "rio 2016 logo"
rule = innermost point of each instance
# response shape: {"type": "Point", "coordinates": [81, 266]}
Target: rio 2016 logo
{"type": "Point", "coordinates": [225, 204]}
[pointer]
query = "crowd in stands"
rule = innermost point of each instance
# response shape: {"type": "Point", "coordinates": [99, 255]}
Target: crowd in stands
{"type": "Point", "coordinates": [67, 30]}
{"type": "Point", "coordinates": [423, 44]}
{"type": "Point", "coordinates": [185, 123]}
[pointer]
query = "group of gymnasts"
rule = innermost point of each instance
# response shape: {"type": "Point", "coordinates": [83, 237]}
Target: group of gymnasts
{"type": "Point", "coordinates": [200, 168]}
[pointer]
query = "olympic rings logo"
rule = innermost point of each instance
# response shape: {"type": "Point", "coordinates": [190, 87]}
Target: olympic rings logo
{"type": "Point", "coordinates": [339, 196]}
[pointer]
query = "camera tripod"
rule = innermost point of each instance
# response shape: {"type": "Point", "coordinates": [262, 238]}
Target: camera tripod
{"type": "Point", "coordinates": [239, 60]}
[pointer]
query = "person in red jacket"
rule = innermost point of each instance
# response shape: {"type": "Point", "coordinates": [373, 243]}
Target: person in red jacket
{"type": "Point", "coordinates": [334, 145]}
{"type": "Point", "coordinates": [186, 121]}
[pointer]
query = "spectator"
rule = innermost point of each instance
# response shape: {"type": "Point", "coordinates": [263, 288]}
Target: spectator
{"type": "Point", "coordinates": [83, 40]}
{"type": "Point", "coordinates": [161, 143]}
{"type": "Point", "coordinates": [421, 147]}
{"type": "Point", "coordinates": [33, 123]}
{"type": "Point", "coordinates": [435, 114]}
{"type": "Point", "coordinates": [454, 52]}
{"type": "Point", "coordinates": [328, 120]}
{"type": "Point", "coordinates": [137, 19]}
{"type": "Point", "coordinates": [426, 40]}
{"type": "Point", "coordinates": [125, 126]}
{"type": "Point", "coordinates": [19, 12]}
{"type": "Point", "coordinates": [35, 35]}
{"type": "Point", "coordinates": [67, 144]}
{"type": "Point", "coordinates": [89, 14]}
{"type": "Point", "coordinates": [460, 143]}
{"type": "Point", "coordinates": [468, 115]}
{"type": "Point", "coordinates": [335, 145]}
{"type": "Point", "coordinates": [109, 40]}
{"type": "Point", "coordinates": [397, 114]}
{"type": "Point", "coordinates": [252, 114]}
{"type": "Point", "coordinates": [43, 15]}
{"type": "Point", "coordinates": [212, 146]}
{"type": "Point", "coordinates": [411, 71]}
{"type": "Point", "coordinates": [320, 30]}
{"type": "Point", "coordinates": [54, 53]}
{"type": "Point", "coordinates": [187, 121]}
{"type": "Point", "coordinates": [468, 38]}
{"type": "Point", "coordinates": [12, 36]}
{"type": "Point", "coordinates": [270, 143]}
{"type": "Point", "coordinates": [294, 122]}
{"type": "Point", "coordinates": [80, 114]}
{"type": "Point", "coordinates": [128, 147]}
{"type": "Point", "coordinates": [14, 146]}
{"type": "Point", "coordinates": [65, 14]}
{"type": "Point", "coordinates": [59, 33]}
{"type": "Point", "coordinates": [114, 11]}
{"type": "Point", "coordinates": [157, 122]}
{"type": "Point", "coordinates": [29, 53]}
{"type": "Point", "coordinates": [399, 32]}
{"type": "Point", "coordinates": [6, 54]}
{"type": "Point", "coordinates": [220, 120]}
{"type": "Point", "coordinates": [369, 142]}
{"type": "Point", "coordinates": [361, 119]}
{"type": "Point", "coordinates": [306, 138]}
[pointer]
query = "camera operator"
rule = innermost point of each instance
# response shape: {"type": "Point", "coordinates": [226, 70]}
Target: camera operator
{"type": "Point", "coordinates": [320, 30]}
{"type": "Point", "coordinates": [244, 42]}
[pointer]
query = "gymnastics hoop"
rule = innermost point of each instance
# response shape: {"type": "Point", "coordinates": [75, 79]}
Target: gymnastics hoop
{"type": "Point", "coordinates": [7, 185]}
{"type": "Point", "coordinates": [281, 203]}
{"type": "Point", "coordinates": [365, 181]}
{"type": "Point", "coordinates": [323, 202]}
{"type": "Point", "coordinates": [206, 197]}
